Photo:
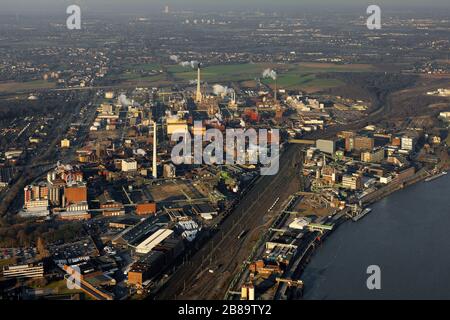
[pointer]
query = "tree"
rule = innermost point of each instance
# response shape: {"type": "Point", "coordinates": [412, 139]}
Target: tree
{"type": "Point", "coordinates": [42, 249]}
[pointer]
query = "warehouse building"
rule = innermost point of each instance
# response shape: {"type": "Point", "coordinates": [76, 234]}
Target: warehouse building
{"type": "Point", "coordinates": [151, 242]}
{"type": "Point", "coordinates": [146, 268]}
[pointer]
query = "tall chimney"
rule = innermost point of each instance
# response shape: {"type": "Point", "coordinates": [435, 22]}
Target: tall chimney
{"type": "Point", "coordinates": [276, 90]}
{"type": "Point", "coordinates": [198, 97]}
{"type": "Point", "coordinates": [154, 166]}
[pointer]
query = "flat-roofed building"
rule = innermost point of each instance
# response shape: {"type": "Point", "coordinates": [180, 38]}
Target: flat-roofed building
{"type": "Point", "coordinates": [352, 182]}
{"type": "Point", "coordinates": [146, 268]}
{"type": "Point", "coordinates": [75, 193]}
{"type": "Point", "coordinates": [146, 208]}
{"type": "Point", "coordinates": [65, 143]}
{"type": "Point", "coordinates": [151, 242]}
{"type": "Point", "coordinates": [75, 215]}
{"type": "Point", "coordinates": [24, 271]}
{"type": "Point", "coordinates": [408, 143]}
{"type": "Point", "coordinates": [129, 165]}
{"type": "Point", "coordinates": [361, 143]}
{"type": "Point", "coordinates": [176, 125]}
{"type": "Point", "coordinates": [327, 146]}
{"type": "Point", "coordinates": [374, 156]}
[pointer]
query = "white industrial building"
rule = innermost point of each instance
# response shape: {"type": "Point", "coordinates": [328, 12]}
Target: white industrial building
{"type": "Point", "coordinates": [408, 143]}
{"type": "Point", "coordinates": [299, 223]}
{"type": "Point", "coordinates": [129, 165]}
{"type": "Point", "coordinates": [24, 271]}
{"type": "Point", "coordinates": [327, 146]}
{"type": "Point", "coordinates": [151, 242]}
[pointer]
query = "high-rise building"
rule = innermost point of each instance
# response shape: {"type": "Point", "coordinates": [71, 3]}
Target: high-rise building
{"type": "Point", "coordinates": [408, 143]}
{"type": "Point", "coordinates": [155, 142]}
{"type": "Point", "coordinates": [361, 143]}
{"type": "Point", "coordinates": [374, 156]}
{"type": "Point", "coordinates": [36, 198]}
{"type": "Point", "coordinates": [327, 146]}
{"type": "Point", "coordinates": [129, 165]}
{"type": "Point", "coordinates": [75, 193]}
{"type": "Point", "coordinates": [352, 182]}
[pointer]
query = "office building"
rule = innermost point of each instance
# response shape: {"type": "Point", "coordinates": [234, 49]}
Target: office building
{"type": "Point", "coordinates": [374, 156]}
{"type": "Point", "coordinates": [361, 143]}
{"type": "Point", "coordinates": [129, 165]}
{"type": "Point", "coordinates": [352, 182]}
{"type": "Point", "coordinates": [408, 143]}
{"type": "Point", "coordinates": [327, 146]}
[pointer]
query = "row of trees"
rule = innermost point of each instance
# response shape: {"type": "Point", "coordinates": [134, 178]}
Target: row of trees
{"type": "Point", "coordinates": [37, 234]}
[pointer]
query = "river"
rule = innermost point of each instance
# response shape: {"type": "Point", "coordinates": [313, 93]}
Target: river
{"type": "Point", "coordinates": [407, 235]}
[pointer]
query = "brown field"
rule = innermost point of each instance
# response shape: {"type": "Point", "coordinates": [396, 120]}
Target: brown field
{"type": "Point", "coordinates": [173, 190]}
{"type": "Point", "coordinates": [12, 86]}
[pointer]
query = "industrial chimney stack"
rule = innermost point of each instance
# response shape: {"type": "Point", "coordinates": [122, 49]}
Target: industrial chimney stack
{"type": "Point", "coordinates": [154, 164]}
{"type": "Point", "coordinates": [276, 90]}
{"type": "Point", "coordinates": [198, 97]}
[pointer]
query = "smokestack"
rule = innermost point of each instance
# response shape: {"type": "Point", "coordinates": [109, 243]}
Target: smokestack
{"type": "Point", "coordinates": [198, 97]}
{"type": "Point", "coordinates": [154, 166]}
{"type": "Point", "coordinates": [276, 90]}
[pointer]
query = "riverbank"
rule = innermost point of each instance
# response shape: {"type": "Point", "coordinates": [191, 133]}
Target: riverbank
{"type": "Point", "coordinates": [319, 238]}
{"type": "Point", "coordinates": [402, 235]}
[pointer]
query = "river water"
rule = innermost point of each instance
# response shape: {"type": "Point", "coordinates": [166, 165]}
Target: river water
{"type": "Point", "coordinates": [407, 235]}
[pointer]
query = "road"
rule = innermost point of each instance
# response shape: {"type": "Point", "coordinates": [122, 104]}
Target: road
{"type": "Point", "coordinates": [225, 253]}
{"type": "Point", "coordinates": [38, 165]}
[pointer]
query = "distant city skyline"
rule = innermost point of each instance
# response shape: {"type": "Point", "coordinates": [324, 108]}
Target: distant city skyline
{"type": "Point", "coordinates": [133, 6]}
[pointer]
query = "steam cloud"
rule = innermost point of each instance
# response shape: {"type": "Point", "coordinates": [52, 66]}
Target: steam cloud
{"type": "Point", "coordinates": [269, 73]}
{"type": "Point", "coordinates": [124, 101]}
{"type": "Point", "coordinates": [174, 58]}
{"type": "Point", "coordinates": [193, 64]}
{"type": "Point", "coordinates": [221, 90]}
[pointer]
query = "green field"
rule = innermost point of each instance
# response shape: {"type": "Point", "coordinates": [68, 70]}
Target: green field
{"type": "Point", "coordinates": [232, 72]}
{"type": "Point", "coordinates": [301, 76]}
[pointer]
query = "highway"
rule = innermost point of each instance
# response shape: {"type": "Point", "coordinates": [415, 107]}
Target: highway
{"type": "Point", "coordinates": [224, 253]}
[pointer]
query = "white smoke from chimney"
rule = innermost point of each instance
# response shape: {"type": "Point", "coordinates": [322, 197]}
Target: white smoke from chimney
{"type": "Point", "coordinates": [124, 101]}
{"type": "Point", "coordinates": [220, 90]}
{"type": "Point", "coordinates": [193, 64]}
{"type": "Point", "coordinates": [174, 58]}
{"type": "Point", "coordinates": [269, 73]}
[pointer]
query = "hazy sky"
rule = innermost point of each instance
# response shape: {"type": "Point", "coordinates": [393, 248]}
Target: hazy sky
{"type": "Point", "coordinates": [129, 6]}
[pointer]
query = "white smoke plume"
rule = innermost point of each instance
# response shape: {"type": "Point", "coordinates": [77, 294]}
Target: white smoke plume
{"type": "Point", "coordinates": [269, 73]}
{"type": "Point", "coordinates": [174, 58]}
{"type": "Point", "coordinates": [193, 64]}
{"type": "Point", "coordinates": [124, 101]}
{"type": "Point", "coordinates": [221, 90]}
